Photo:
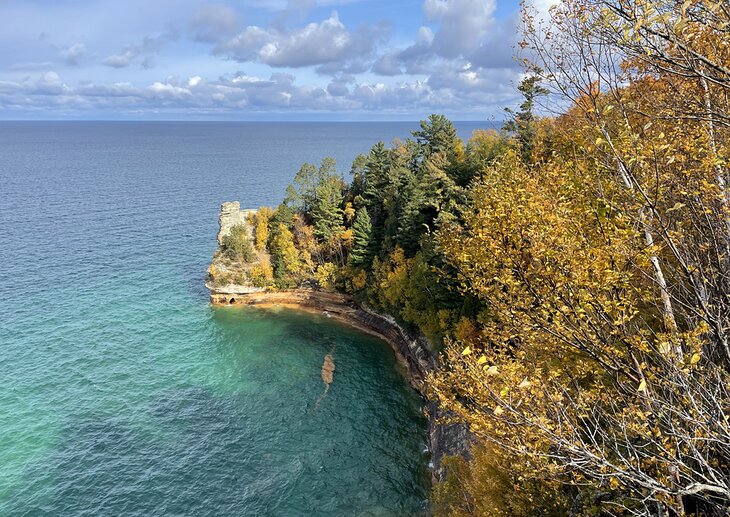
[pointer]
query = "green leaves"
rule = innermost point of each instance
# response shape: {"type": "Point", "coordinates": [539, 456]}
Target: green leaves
{"type": "Point", "coordinates": [361, 253]}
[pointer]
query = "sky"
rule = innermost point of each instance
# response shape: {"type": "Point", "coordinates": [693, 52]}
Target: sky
{"type": "Point", "coordinates": [258, 59]}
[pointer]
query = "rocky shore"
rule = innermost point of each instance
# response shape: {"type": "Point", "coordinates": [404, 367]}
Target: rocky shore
{"type": "Point", "coordinates": [411, 350]}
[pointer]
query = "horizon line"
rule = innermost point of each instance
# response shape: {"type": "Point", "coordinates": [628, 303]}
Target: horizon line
{"type": "Point", "coordinates": [245, 121]}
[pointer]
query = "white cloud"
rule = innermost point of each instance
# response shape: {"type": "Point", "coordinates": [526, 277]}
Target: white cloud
{"type": "Point", "coordinates": [464, 32]}
{"type": "Point", "coordinates": [245, 45]}
{"type": "Point", "coordinates": [168, 90]}
{"type": "Point", "coordinates": [415, 59]}
{"type": "Point", "coordinates": [121, 60]}
{"type": "Point", "coordinates": [323, 43]}
{"type": "Point", "coordinates": [454, 89]}
{"type": "Point", "coordinates": [143, 52]}
{"type": "Point", "coordinates": [459, 60]}
{"type": "Point", "coordinates": [463, 24]}
{"type": "Point", "coordinates": [315, 44]}
{"type": "Point", "coordinates": [73, 54]}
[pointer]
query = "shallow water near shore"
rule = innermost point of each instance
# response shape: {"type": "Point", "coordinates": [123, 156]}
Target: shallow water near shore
{"type": "Point", "coordinates": [123, 392]}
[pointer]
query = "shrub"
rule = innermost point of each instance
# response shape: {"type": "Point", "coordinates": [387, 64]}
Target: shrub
{"type": "Point", "coordinates": [237, 244]}
{"type": "Point", "coordinates": [326, 276]}
{"type": "Point", "coordinates": [262, 275]}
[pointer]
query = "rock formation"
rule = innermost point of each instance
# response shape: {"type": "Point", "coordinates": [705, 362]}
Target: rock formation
{"type": "Point", "coordinates": [230, 216]}
{"type": "Point", "coordinates": [228, 279]}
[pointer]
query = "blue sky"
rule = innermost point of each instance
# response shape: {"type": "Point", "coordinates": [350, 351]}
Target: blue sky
{"type": "Point", "coordinates": [257, 59]}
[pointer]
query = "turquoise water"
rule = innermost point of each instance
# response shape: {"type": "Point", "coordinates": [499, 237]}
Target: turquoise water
{"type": "Point", "coordinates": [123, 392]}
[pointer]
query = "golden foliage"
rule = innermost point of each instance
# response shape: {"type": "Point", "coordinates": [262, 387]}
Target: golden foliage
{"type": "Point", "coordinates": [496, 484]}
{"type": "Point", "coordinates": [262, 274]}
{"type": "Point", "coordinates": [326, 276]}
{"type": "Point", "coordinates": [596, 268]}
{"type": "Point", "coordinates": [261, 231]}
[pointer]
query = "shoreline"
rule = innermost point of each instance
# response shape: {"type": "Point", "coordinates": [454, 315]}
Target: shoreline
{"type": "Point", "coordinates": [411, 352]}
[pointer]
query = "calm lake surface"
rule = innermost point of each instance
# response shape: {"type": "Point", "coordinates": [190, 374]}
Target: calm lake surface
{"type": "Point", "coordinates": [123, 392]}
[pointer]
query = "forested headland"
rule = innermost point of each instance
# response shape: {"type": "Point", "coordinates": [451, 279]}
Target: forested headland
{"type": "Point", "coordinates": [572, 270]}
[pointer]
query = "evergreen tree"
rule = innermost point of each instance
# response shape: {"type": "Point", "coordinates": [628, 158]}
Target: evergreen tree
{"type": "Point", "coordinates": [362, 228]}
{"type": "Point", "coordinates": [522, 123]}
{"type": "Point", "coordinates": [437, 135]}
{"type": "Point", "coordinates": [327, 208]}
{"type": "Point", "coordinates": [301, 194]}
{"type": "Point", "coordinates": [359, 176]}
{"type": "Point", "coordinates": [375, 172]}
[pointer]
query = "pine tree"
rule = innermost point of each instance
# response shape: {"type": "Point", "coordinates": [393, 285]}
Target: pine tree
{"type": "Point", "coordinates": [437, 135]}
{"type": "Point", "coordinates": [523, 121]}
{"type": "Point", "coordinates": [362, 228]}
{"type": "Point", "coordinates": [327, 208]}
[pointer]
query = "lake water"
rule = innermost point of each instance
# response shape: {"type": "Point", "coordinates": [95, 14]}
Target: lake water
{"type": "Point", "coordinates": [123, 392]}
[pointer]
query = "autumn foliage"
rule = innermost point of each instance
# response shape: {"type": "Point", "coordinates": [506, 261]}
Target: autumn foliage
{"type": "Point", "coordinates": [573, 271]}
{"type": "Point", "coordinates": [602, 260]}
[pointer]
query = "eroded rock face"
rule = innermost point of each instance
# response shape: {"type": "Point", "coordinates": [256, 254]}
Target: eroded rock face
{"type": "Point", "coordinates": [230, 216]}
{"type": "Point", "coordinates": [446, 439]}
{"type": "Point", "coordinates": [228, 277]}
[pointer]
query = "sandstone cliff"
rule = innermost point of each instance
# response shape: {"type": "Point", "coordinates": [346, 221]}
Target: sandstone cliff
{"type": "Point", "coordinates": [230, 216]}
{"type": "Point", "coordinates": [229, 278]}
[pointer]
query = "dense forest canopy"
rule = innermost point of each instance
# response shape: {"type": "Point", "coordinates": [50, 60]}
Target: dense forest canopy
{"type": "Point", "coordinates": [572, 270]}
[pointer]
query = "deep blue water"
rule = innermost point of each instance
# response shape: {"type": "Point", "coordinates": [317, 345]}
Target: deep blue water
{"type": "Point", "coordinates": [122, 392]}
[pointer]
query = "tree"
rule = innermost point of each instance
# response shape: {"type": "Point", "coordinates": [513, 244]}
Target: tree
{"type": "Point", "coordinates": [263, 215]}
{"type": "Point", "coordinates": [237, 244]}
{"type": "Point", "coordinates": [575, 370]}
{"type": "Point", "coordinates": [327, 208]}
{"type": "Point", "coordinates": [288, 264]}
{"type": "Point", "coordinates": [522, 122]}
{"type": "Point", "coordinates": [437, 135]}
{"type": "Point", "coordinates": [301, 195]}
{"type": "Point", "coordinates": [361, 254]}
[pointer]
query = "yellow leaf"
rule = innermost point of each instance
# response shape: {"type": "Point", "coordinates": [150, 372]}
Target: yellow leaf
{"type": "Point", "coordinates": [482, 360]}
{"type": "Point", "coordinates": [492, 370]}
{"type": "Point", "coordinates": [642, 386]}
{"type": "Point", "coordinates": [695, 359]}
{"type": "Point", "coordinates": [498, 410]}
{"type": "Point", "coordinates": [466, 351]}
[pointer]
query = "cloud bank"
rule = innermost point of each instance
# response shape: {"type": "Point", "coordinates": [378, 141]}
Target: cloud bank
{"type": "Point", "coordinates": [303, 56]}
